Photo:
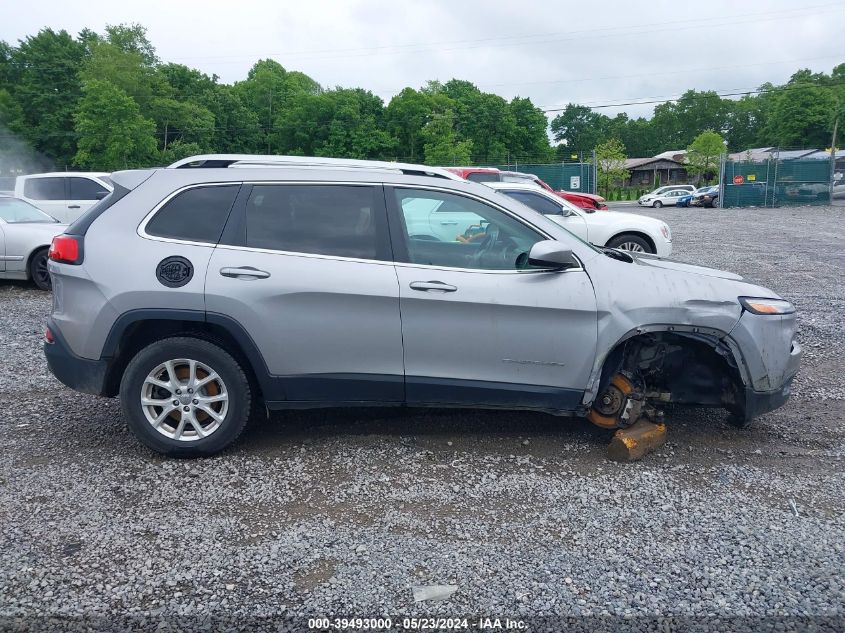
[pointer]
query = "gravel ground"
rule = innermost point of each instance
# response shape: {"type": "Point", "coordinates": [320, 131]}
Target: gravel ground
{"type": "Point", "coordinates": [341, 513]}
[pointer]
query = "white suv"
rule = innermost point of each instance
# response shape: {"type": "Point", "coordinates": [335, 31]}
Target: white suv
{"type": "Point", "coordinates": [63, 195]}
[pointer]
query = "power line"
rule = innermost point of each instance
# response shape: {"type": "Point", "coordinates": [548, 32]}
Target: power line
{"type": "Point", "coordinates": [706, 95]}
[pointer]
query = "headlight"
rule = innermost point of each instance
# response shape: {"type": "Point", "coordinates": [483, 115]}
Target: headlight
{"type": "Point", "coordinates": [756, 305]}
{"type": "Point", "coordinates": [665, 230]}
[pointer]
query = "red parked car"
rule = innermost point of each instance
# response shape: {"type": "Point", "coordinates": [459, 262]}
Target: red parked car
{"type": "Point", "coordinates": [585, 201]}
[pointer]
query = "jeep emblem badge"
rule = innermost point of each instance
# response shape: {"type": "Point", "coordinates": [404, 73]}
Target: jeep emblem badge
{"type": "Point", "coordinates": [174, 272]}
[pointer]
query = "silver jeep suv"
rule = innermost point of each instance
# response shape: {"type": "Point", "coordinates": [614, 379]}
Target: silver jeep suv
{"type": "Point", "coordinates": [209, 292]}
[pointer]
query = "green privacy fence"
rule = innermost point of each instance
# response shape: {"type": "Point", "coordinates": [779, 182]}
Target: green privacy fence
{"type": "Point", "coordinates": [578, 176]}
{"type": "Point", "coordinates": [776, 182]}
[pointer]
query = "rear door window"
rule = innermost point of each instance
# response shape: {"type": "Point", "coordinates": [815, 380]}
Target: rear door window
{"type": "Point", "coordinates": [45, 188]}
{"type": "Point", "coordinates": [195, 215]}
{"type": "Point", "coordinates": [86, 189]}
{"type": "Point", "coordinates": [338, 220]}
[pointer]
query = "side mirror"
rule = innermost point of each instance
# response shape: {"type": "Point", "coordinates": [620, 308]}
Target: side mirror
{"type": "Point", "coordinates": [101, 194]}
{"type": "Point", "coordinates": [552, 254]}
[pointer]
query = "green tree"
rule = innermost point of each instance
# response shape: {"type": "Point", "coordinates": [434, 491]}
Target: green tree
{"type": "Point", "coordinates": [132, 38]}
{"type": "Point", "coordinates": [442, 145]}
{"type": "Point", "coordinates": [677, 123]}
{"type": "Point", "coordinates": [345, 123]}
{"type": "Point", "coordinates": [112, 133]}
{"type": "Point", "coordinates": [405, 116]}
{"type": "Point", "coordinates": [46, 88]}
{"type": "Point", "coordinates": [530, 141]}
{"type": "Point", "coordinates": [637, 135]}
{"type": "Point", "coordinates": [6, 53]}
{"type": "Point", "coordinates": [127, 70]}
{"type": "Point", "coordinates": [802, 112]}
{"type": "Point", "coordinates": [610, 160]}
{"type": "Point", "coordinates": [178, 150]}
{"type": "Point", "coordinates": [182, 121]}
{"type": "Point", "coordinates": [268, 90]}
{"type": "Point", "coordinates": [703, 154]}
{"type": "Point", "coordinates": [579, 129]}
{"type": "Point", "coordinates": [745, 120]}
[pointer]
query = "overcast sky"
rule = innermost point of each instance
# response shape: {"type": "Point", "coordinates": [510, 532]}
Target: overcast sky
{"type": "Point", "coordinates": [599, 52]}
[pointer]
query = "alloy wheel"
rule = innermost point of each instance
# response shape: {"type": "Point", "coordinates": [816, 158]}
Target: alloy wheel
{"type": "Point", "coordinates": [631, 246]}
{"type": "Point", "coordinates": [184, 399]}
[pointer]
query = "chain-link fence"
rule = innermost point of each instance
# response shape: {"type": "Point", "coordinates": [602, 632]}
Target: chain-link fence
{"type": "Point", "coordinates": [575, 176]}
{"type": "Point", "coordinates": [776, 181]}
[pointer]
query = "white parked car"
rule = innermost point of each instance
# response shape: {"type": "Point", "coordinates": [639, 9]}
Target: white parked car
{"type": "Point", "coordinates": [625, 231]}
{"type": "Point", "coordinates": [664, 199]}
{"type": "Point", "coordinates": [667, 188]}
{"type": "Point", "coordinates": [63, 195]}
{"type": "Point", "coordinates": [25, 236]}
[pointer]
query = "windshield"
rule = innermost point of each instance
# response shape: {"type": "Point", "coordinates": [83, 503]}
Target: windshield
{"type": "Point", "coordinates": [16, 211]}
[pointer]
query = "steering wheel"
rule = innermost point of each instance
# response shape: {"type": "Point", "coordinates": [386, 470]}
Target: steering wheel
{"type": "Point", "coordinates": [496, 249]}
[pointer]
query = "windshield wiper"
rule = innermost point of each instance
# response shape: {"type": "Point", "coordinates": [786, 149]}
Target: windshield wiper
{"type": "Point", "coordinates": [616, 254]}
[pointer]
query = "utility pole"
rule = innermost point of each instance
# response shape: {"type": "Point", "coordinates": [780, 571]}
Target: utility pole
{"type": "Point", "coordinates": [269, 121]}
{"type": "Point", "coordinates": [833, 157]}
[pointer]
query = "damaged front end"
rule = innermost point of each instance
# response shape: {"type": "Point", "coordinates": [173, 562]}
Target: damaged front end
{"type": "Point", "coordinates": [653, 368]}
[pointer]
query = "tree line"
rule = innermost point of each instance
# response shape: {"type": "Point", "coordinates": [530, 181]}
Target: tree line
{"type": "Point", "coordinates": [106, 101]}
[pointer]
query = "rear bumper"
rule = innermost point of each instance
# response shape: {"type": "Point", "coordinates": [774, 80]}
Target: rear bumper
{"type": "Point", "coordinates": [80, 374]}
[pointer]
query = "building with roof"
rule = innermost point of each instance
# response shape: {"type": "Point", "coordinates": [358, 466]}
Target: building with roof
{"type": "Point", "coordinates": [655, 171]}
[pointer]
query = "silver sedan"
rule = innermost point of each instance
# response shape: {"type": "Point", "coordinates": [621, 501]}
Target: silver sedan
{"type": "Point", "coordinates": [25, 236]}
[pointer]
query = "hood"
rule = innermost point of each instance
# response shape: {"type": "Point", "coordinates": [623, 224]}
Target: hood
{"type": "Point", "coordinates": [671, 264]}
{"type": "Point", "coordinates": [581, 194]}
{"type": "Point", "coordinates": [621, 221]}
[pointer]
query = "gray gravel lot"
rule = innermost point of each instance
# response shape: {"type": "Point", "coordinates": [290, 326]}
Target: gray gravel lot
{"type": "Point", "coordinates": [340, 513]}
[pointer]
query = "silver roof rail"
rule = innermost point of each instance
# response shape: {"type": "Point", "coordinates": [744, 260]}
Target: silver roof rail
{"type": "Point", "coordinates": [206, 161]}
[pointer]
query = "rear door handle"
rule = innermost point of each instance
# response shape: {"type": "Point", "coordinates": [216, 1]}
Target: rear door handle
{"type": "Point", "coordinates": [448, 222]}
{"type": "Point", "coordinates": [73, 206]}
{"type": "Point", "coordinates": [425, 286]}
{"type": "Point", "coordinates": [244, 272]}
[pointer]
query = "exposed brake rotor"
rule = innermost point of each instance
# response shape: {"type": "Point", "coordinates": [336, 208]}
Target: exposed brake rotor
{"type": "Point", "coordinates": [616, 406]}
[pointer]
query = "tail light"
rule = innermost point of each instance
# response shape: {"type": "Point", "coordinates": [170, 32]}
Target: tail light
{"type": "Point", "coordinates": [66, 249]}
{"type": "Point", "coordinates": [48, 336]}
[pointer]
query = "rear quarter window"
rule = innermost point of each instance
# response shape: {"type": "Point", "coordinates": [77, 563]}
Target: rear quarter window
{"type": "Point", "coordinates": [195, 215]}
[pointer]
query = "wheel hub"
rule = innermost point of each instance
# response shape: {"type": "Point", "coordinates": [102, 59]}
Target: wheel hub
{"type": "Point", "coordinates": [611, 400]}
{"type": "Point", "coordinates": [184, 399]}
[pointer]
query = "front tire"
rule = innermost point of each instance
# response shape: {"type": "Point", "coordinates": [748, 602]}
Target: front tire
{"type": "Point", "coordinates": [630, 243]}
{"type": "Point", "coordinates": [38, 271]}
{"type": "Point", "coordinates": [657, 204]}
{"type": "Point", "coordinates": [185, 397]}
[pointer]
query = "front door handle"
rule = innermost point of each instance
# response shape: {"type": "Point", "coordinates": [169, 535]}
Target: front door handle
{"type": "Point", "coordinates": [448, 222]}
{"type": "Point", "coordinates": [425, 286]}
{"type": "Point", "coordinates": [244, 272]}
{"type": "Point", "coordinates": [73, 206]}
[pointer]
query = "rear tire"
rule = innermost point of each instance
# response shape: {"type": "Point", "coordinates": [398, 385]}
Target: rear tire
{"type": "Point", "coordinates": [199, 410]}
{"type": "Point", "coordinates": [38, 271]}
